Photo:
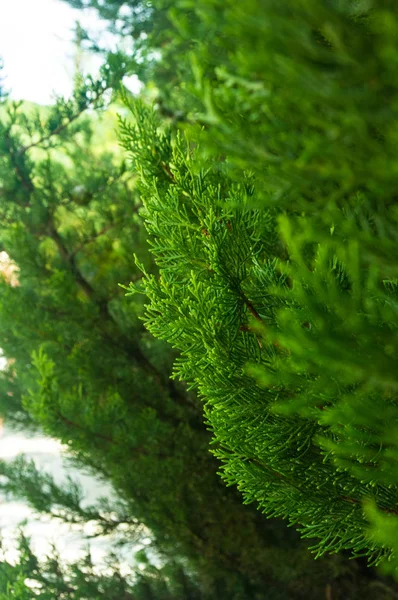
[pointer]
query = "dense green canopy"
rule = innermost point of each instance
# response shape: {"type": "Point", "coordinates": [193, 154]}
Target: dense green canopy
{"type": "Point", "coordinates": [266, 177]}
{"type": "Point", "coordinates": [84, 369]}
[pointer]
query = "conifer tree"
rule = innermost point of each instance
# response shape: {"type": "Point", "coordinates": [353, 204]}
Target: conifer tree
{"type": "Point", "coordinates": [70, 227]}
{"type": "Point", "coordinates": [29, 577]}
{"type": "Point", "coordinates": [275, 231]}
{"type": "Point", "coordinates": [156, 40]}
{"type": "Point", "coordinates": [276, 329]}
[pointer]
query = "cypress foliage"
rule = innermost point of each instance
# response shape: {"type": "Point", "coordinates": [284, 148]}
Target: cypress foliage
{"type": "Point", "coordinates": [83, 368]}
{"type": "Point", "coordinates": [275, 231]}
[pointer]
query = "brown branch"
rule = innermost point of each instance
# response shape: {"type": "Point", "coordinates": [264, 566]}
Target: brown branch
{"type": "Point", "coordinates": [69, 260]}
{"type": "Point", "coordinates": [255, 314]}
{"type": "Point", "coordinates": [251, 308]}
{"type": "Point", "coordinates": [328, 592]}
{"type": "Point", "coordinates": [137, 452]}
{"type": "Point", "coordinates": [253, 311]}
{"type": "Point", "coordinates": [127, 346]}
{"type": "Point", "coordinates": [167, 170]}
{"type": "Point", "coordinates": [47, 137]}
{"type": "Point", "coordinates": [258, 318]}
{"type": "Point", "coordinates": [62, 126]}
{"type": "Point", "coordinates": [76, 426]}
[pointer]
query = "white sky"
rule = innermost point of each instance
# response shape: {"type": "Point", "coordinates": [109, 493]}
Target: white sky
{"type": "Point", "coordinates": [47, 454]}
{"type": "Point", "coordinates": [36, 45]}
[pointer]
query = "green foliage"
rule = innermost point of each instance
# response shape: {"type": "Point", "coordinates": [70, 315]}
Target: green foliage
{"type": "Point", "coordinates": [273, 228]}
{"type": "Point", "coordinates": [275, 232]}
{"type": "Point", "coordinates": [83, 369]}
{"type": "Point", "coordinates": [22, 480]}
{"type": "Point", "coordinates": [49, 578]}
{"type": "Point", "coordinates": [157, 41]}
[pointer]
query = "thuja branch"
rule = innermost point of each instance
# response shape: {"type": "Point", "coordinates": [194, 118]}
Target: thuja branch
{"type": "Point", "coordinates": [70, 261]}
{"type": "Point", "coordinates": [137, 452]}
{"type": "Point", "coordinates": [74, 425]}
{"type": "Point", "coordinates": [63, 126]}
{"type": "Point", "coordinates": [89, 291]}
{"type": "Point", "coordinates": [53, 133]}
